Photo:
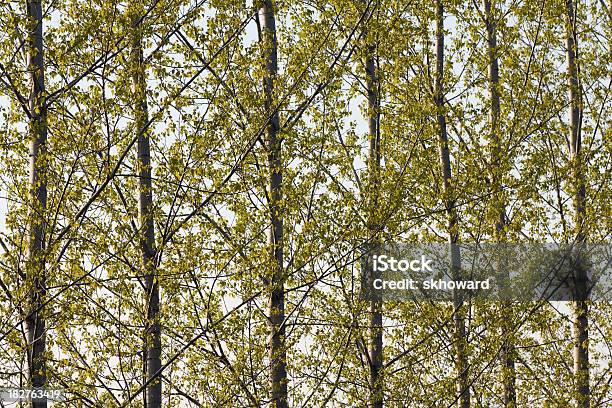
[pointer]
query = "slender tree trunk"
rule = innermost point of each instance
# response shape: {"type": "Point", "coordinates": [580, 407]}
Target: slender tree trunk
{"type": "Point", "coordinates": [499, 206]}
{"type": "Point", "coordinates": [374, 227]}
{"type": "Point", "coordinates": [276, 301]}
{"type": "Point", "coordinates": [463, 386]}
{"type": "Point", "coordinates": [145, 212]}
{"type": "Point", "coordinates": [35, 323]}
{"type": "Point", "coordinates": [581, 319]}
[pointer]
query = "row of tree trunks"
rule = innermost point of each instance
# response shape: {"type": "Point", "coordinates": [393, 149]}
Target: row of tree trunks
{"type": "Point", "coordinates": [275, 280]}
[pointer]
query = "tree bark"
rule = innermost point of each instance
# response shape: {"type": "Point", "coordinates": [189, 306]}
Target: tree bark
{"type": "Point", "coordinates": [153, 392]}
{"type": "Point", "coordinates": [374, 227]}
{"type": "Point", "coordinates": [36, 275]}
{"type": "Point", "coordinates": [276, 283]}
{"type": "Point", "coordinates": [498, 202]}
{"type": "Point", "coordinates": [581, 319]}
{"type": "Point", "coordinates": [461, 364]}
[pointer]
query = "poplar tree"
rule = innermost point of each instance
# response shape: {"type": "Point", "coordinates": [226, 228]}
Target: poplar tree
{"type": "Point", "coordinates": [461, 363]}
{"type": "Point", "coordinates": [36, 269]}
{"type": "Point", "coordinates": [498, 170]}
{"type": "Point", "coordinates": [277, 353]}
{"type": "Point", "coordinates": [578, 189]}
{"type": "Point", "coordinates": [146, 238]}
{"type": "Point", "coordinates": [372, 85]}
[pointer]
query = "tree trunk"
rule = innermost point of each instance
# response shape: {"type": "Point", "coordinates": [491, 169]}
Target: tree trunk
{"type": "Point", "coordinates": [276, 283]}
{"type": "Point", "coordinates": [498, 202]}
{"type": "Point", "coordinates": [145, 212]}
{"type": "Point", "coordinates": [36, 276]}
{"type": "Point", "coordinates": [374, 227]}
{"type": "Point", "coordinates": [581, 320]}
{"type": "Point", "coordinates": [461, 364]}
